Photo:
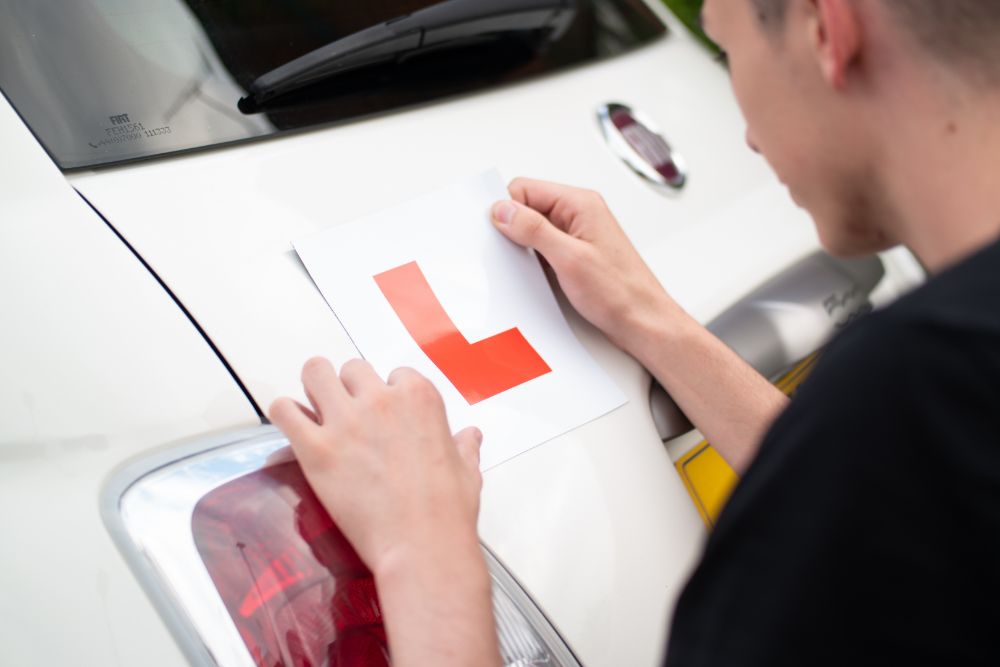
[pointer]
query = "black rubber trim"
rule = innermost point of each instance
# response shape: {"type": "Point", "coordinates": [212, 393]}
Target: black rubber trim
{"type": "Point", "coordinates": [187, 313]}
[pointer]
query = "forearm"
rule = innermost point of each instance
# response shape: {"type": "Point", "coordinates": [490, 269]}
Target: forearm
{"type": "Point", "coordinates": [607, 281]}
{"type": "Point", "coordinates": [726, 399]}
{"type": "Point", "coordinates": [438, 607]}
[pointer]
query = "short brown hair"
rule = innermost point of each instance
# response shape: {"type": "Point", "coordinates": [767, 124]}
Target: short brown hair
{"type": "Point", "coordinates": [960, 32]}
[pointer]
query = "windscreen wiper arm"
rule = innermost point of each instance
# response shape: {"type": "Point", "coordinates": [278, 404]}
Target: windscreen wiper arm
{"type": "Point", "coordinates": [449, 23]}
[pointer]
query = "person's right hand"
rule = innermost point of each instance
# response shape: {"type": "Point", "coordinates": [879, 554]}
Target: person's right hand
{"type": "Point", "coordinates": [596, 265]}
{"type": "Point", "coordinates": [608, 283]}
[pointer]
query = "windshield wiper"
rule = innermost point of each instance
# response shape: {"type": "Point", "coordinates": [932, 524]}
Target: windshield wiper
{"type": "Point", "coordinates": [448, 24]}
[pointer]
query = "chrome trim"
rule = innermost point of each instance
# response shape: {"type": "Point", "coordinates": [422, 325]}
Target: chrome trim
{"type": "Point", "coordinates": [650, 136]}
{"type": "Point", "coordinates": [531, 612]}
{"type": "Point", "coordinates": [783, 321]}
{"type": "Point", "coordinates": [156, 538]}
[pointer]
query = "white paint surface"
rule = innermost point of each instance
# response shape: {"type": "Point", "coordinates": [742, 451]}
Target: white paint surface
{"type": "Point", "coordinates": [97, 366]}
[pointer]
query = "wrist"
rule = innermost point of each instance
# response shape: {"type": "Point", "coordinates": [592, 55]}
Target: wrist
{"type": "Point", "coordinates": [653, 328]}
{"type": "Point", "coordinates": [437, 605]}
{"type": "Point", "coordinates": [432, 562]}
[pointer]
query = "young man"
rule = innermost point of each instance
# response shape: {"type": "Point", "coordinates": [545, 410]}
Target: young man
{"type": "Point", "coordinates": [867, 528]}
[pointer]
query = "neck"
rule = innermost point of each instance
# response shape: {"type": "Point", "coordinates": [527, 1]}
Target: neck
{"type": "Point", "coordinates": [943, 171]}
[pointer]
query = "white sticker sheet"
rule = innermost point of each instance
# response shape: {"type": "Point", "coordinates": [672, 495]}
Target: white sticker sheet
{"type": "Point", "coordinates": [430, 284]}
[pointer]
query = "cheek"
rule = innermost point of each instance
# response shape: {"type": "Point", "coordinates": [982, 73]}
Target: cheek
{"type": "Point", "coordinates": [770, 129]}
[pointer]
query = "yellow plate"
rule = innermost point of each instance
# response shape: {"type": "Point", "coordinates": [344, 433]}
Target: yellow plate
{"type": "Point", "coordinates": [707, 476]}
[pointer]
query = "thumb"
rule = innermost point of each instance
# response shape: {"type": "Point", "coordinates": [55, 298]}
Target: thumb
{"type": "Point", "coordinates": [529, 228]}
{"type": "Point", "coordinates": [468, 441]}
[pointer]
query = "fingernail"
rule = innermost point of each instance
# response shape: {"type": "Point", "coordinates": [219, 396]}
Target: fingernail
{"type": "Point", "coordinates": [504, 211]}
{"type": "Point", "coordinates": [478, 435]}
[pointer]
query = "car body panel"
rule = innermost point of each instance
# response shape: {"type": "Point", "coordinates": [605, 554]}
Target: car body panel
{"type": "Point", "coordinates": [98, 365]}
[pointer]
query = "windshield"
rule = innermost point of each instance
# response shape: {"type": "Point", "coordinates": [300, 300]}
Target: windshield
{"type": "Point", "coordinates": [105, 81]}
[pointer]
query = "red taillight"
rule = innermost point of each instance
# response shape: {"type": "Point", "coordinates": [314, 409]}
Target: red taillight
{"type": "Point", "coordinates": [296, 590]}
{"type": "Point", "coordinates": [246, 566]}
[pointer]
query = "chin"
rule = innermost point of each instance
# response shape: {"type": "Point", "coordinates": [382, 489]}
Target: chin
{"type": "Point", "coordinates": [853, 239]}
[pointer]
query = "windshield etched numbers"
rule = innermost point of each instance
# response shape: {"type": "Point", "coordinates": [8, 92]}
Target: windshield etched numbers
{"type": "Point", "coordinates": [477, 370]}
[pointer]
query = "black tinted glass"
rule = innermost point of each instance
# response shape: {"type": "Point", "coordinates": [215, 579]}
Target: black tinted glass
{"type": "Point", "coordinates": [103, 81]}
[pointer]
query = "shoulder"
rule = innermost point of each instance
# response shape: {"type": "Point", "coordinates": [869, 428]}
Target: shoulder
{"type": "Point", "coordinates": [945, 332]}
{"type": "Point", "coordinates": [933, 355]}
{"type": "Point", "coordinates": [917, 381]}
{"type": "Point", "coordinates": [941, 341]}
{"type": "Point", "coordinates": [883, 471]}
{"type": "Point", "coordinates": [962, 301]}
{"type": "Point", "coordinates": [901, 401]}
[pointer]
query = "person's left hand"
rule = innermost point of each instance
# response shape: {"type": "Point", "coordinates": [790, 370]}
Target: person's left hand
{"type": "Point", "coordinates": [383, 462]}
{"type": "Point", "coordinates": [405, 493]}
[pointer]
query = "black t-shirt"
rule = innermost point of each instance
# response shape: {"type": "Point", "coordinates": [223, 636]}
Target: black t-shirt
{"type": "Point", "coordinates": [867, 531]}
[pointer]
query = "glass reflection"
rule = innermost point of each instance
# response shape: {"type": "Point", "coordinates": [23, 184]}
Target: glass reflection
{"type": "Point", "coordinates": [105, 81]}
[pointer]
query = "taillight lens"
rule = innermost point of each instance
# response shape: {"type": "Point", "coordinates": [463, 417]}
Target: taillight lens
{"type": "Point", "coordinates": [294, 587]}
{"type": "Point", "coordinates": [248, 568]}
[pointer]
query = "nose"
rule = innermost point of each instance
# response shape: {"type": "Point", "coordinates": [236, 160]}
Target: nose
{"type": "Point", "coordinates": [751, 144]}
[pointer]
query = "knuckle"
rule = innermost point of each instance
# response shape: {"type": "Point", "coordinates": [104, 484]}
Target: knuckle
{"type": "Point", "coordinates": [425, 391]}
{"type": "Point", "coordinates": [349, 425]}
{"type": "Point", "coordinates": [585, 200]}
{"type": "Point", "coordinates": [595, 198]}
{"type": "Point", "coordinates": [532, 224]}
{"type": "Point", "coordinates": [378, 402]}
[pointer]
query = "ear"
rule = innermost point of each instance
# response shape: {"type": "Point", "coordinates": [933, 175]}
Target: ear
{"type": "Point", "coordinates": [836, 36]}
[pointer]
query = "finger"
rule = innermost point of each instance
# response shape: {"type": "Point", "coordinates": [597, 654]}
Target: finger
{"type": "Point", "coordinates": [469, 442]}
{"type": "Point", "coordinates": [314, 406]}
{"type": "Point", "coordinates": [293, 420]}
{"type": "Point", "coordinates": [531, 229]}
{"type": "Point", "coordinates": [359, 377]}
{"type": "Point", "coordinates": [310, 412]}
{"type": "Point", "coordinates": [403, 375]}
{"type": "Point", "coordinates": [560, 203]}
{"type": "Point", "coordinates": [323, 387]}
{"type": "Point", "coordinates": [420, 393]}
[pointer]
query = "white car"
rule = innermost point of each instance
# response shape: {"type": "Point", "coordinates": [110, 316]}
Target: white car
{"type": "Point", "coordinates": [153, 308]}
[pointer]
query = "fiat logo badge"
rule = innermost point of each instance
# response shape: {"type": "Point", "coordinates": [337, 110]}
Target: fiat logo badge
{"type": "Point", "coordinates": [641, 146]}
